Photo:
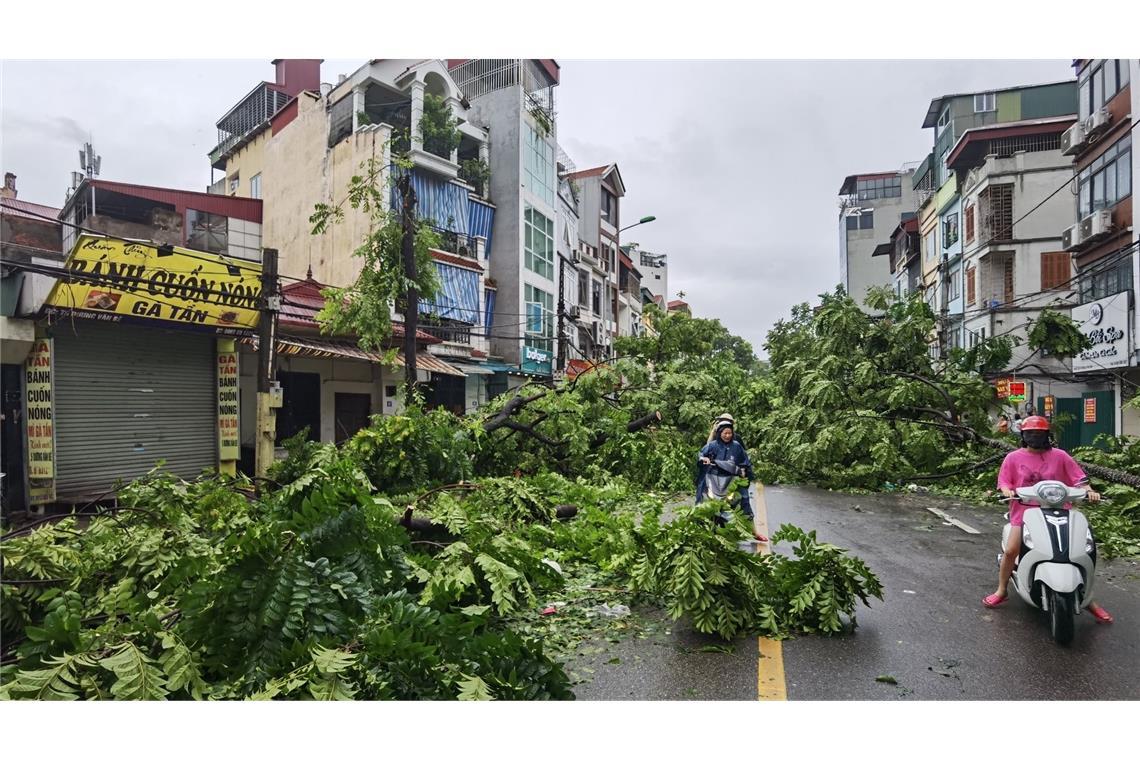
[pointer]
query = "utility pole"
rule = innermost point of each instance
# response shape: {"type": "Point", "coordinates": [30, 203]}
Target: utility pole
{"type": "Point", "coordinates": [412, 305]}
{"type": "Point", "coordinates": [267, 405]}
{"type": "Point", "coordinates": [561, 312]}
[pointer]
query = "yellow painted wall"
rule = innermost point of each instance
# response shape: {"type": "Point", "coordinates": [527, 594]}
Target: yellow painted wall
{"type": "Point", "coordinates": [927, 222]}
{"type": "Point", "coordinates": [947, 191]}
{"type": "Point", "coordinates": [1009, 106]}
{"type": "Point", "coordinates": [247, 162]}
{"type": "Point", "coordinates": [299, 172]}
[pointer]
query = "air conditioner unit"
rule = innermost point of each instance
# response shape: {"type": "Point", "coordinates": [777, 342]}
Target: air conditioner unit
{"type": "Point", "coordinates": [1097, 121]}
{"type": "Point", "coordinates": [1096, 225]}
{"type": "Point", "coordinates": [1073, 138]}
{"type": "Point", "coordinates": [1071, 237]}
{"type": "Point", "coordinates": [577, 257]}
{"type": "Point", "coordinates": [574, 312]}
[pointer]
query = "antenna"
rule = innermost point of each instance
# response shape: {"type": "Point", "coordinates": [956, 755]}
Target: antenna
{"type": "Point", "coordinates": [89, 163]}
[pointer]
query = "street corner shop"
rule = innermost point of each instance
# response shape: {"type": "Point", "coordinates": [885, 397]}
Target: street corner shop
{"type": "Point", "coordinates": [135, 364]}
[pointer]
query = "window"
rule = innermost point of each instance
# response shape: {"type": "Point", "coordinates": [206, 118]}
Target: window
{"type": "Point", "coordinates": [207, 232]}
{"type": "Point", "coordinates": [955, 285]}
{"type": "Point", "coordinates": [234, 182]}
{"type": "Point", "coordinates": [1056, 270]}
{"type": "Point", "coordinates": [1108, 180]}
{"type": "Point", "coordinates": [867, 220]}
{"type": "Point", "coordinates": [970, 284]}
{"type": "Point", "coordinates": [943, 120]}
{"type": "Point", "coordinates": [609, 207]}
{"type": "Point", "coordinates": [852, 222]}
{"type": "Point", "coordinates": [539, 243]}
{"type": "Point", "coordinates": [985, 102]}
{"type": "Point", "coordinates": [583, 289]}
{"type": "Point", "coordinates": [969, 224]}
{"type": "Point", "coordinates": [880, 187]}
{"type": "Point", "coordinates": [1106, 280]}
{"type": "Point", "coordinates": [949, 230]}
{"type": "Point", "coordinates": [996, 203]}
{"type": "Point", "coordinates": [539, 166]}
{"type": "Point", "coordinates": [596, 297]}
{"type": "Point", "coordinates": [931, 245]}
{"type": "Point", "coordinates": [255, 186]}
{"type": "Point", "coordinates": [539, 318]}
{"type": "Point", "coordinates": [1100, 83]}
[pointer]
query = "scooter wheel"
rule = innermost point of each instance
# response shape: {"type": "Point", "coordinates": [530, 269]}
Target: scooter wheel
{"type": "Point", "coordinates": [1062, 611]}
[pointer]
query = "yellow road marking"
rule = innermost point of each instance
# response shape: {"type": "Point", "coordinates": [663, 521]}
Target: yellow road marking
{"type": "Point", "coordinates": [770, 682]}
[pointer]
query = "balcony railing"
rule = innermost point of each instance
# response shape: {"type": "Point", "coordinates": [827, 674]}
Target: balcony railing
{"type": "Point", "coordinates": [245, 117]}
{"type": "Point", "coordinates": [454, 332]}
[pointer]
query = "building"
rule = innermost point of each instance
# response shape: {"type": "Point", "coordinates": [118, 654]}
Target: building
{"type": "Point", "coordinates": [629, 296]}
{"type": "Point", "coordinates": [950, 116]}
{"type": "Point", "coordinates": [1015, 264]}
{"type": "Point", "coordinates": [573, 273]}
{"type": "Point", "coordinates": [870, 208]}
{"type": "Point", "coordinates": [679, 305]}
{"type": "Point", "coordinates": [134, 361]}
{"type": "Point", "coordinates": [300, 142]}
{"type": "Point", "coordinates": [601, 189]}
{"type": "Point", "coordinates": [1100, 235]}
{"type": "Point", "coordinates": [29, 235]}
{"type": "Point", "coordinates": [514, 100]}
{"type": "Point", "coordinates": [654, 268]}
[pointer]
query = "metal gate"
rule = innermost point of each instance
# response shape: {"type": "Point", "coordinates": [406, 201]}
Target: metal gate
{"type": "Point", "coordinates": [127, 397]}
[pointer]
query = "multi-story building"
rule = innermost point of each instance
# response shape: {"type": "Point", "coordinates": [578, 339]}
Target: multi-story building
{"type": "Point", "coordinates": [573, 274]}
{"type": "Point", "coordinates": [629, 296]}
{"type": "Point", "coordinates": [1014, 263]}
{"type": "Point", "coordinates": [601, 190]}
{"type": "Point", "coordinates": [1100, 235]}
{"type": "Point", "coordinates": [514, 99]}
{"type": "Point", "coordinates": [298, 143]}
{"type": "Point", "coordinates": [950, 116]}
{"type": "Point", "coordinates": [654, 268]}
{"type": "Point", "coordinates": [870, 208]}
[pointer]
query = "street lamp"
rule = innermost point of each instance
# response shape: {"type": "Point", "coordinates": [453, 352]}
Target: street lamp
{"type": "Point", "coordinates": [643, 220]}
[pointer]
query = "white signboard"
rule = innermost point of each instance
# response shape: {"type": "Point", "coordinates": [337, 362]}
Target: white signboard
{"type": "Point", "coordinates": [1105, 322]}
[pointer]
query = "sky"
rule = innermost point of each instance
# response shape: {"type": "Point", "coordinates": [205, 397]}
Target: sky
{"type": "Point", "coordinates": [740, 161]}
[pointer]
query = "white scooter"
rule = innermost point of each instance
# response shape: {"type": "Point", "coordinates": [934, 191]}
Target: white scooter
{"type": "Point", "coordinates": [1056, 568]}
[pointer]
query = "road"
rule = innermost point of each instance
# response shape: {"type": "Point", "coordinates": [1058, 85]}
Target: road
{"type": "Point", "coordinates": [930, 633]}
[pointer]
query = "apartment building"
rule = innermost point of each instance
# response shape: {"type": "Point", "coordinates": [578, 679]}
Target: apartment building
{"type": "Point", "coordinates": [870, 209]}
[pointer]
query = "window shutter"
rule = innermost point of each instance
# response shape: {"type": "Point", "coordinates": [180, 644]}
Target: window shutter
{"type": "Point", "coordinates": [970, 285]}
{"type": "Point", "coordinates": [1055, 269]}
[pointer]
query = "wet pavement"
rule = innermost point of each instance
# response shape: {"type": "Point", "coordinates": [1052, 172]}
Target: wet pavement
{"type": "Point", "coordinates": [930, 634]}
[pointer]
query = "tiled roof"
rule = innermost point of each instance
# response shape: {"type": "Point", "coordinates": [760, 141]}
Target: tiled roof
{"type": "Point", "coordinates": [28, 210]}
{"type": "Point", "coordinates": [302, 300]}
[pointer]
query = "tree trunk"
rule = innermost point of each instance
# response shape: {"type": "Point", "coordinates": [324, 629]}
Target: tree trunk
{"type": "Point", "coordinates": [1105, 473]}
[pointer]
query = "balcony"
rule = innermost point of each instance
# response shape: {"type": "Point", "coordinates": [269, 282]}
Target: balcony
{"type": "Point", "coordinates": [245, 120]}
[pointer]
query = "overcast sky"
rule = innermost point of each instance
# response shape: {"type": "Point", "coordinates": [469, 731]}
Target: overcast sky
{"type": "Point", "coordinates": [739, 161]}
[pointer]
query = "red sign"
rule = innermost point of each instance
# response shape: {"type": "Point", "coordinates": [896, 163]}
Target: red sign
{"type": "Point", "coordinates": [1090, 409]}
{"type": "Point", "coordinates": [577, 367]}
{"type": "Point", "coordinates": [1017, 390]}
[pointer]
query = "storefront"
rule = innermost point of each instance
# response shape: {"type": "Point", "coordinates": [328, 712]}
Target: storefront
{"type": "Point", "coordinates": [135, 367]}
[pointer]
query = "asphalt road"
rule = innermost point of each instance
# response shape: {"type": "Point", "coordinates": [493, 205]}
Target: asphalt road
{"type": "Point", "coordinates": [930, 633]}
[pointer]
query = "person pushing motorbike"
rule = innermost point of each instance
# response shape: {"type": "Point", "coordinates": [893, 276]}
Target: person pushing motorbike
{"type": "Point", "coordinates": [1037, 460]}
{"type": "Point", "coordinates": [725, 447]}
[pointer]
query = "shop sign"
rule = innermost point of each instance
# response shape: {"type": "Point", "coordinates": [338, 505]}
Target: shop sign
{"type": "Point", "coordinates": [1105, 323]}
{"type": "Point", "coordinates": [1017, 391]}
{"type": "Point", "coordinates": [1049, 402]}
{"type": "Point", "coordinates": [1002, 385]}
{"type": "Point", "coordinates": [38, 411]}
{"type": "Point", "coordinates": [535, 360]}
{"type": "Point", "coordinates": [229, 430]}
{"type": "Point", "coordinates": [115, 280]}
{"type": "Point", "coordinates": [1090, 409]}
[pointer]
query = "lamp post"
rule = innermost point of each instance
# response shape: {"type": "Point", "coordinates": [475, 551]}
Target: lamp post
{"type": "Point", "coordinates": [643, 220]}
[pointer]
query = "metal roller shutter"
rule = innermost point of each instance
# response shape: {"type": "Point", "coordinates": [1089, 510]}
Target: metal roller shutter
{"type": "Point", "coordinates": [127, 397]}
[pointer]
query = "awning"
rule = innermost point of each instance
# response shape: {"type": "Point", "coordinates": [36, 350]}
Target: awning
{"type": "Point", "coordinates": [474, 369]}
{"type": "Point", "coordinates": [497, 367]}
{"type": "Point", "coordinates": [330, 349]}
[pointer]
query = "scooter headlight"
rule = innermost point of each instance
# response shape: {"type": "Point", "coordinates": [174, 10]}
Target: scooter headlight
{"type": "Point", "coordinates": [1052, 494]}
{"type": "Point", "coordinates": [1026, 538]}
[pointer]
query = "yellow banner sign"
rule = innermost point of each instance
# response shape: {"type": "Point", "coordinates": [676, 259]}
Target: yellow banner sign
{"type": "Point", "coordinates": [114, 280]}
{"type": "Point", "coordinates": [38, 411]}
{"type": "Point", "coordinates": [229, 445]}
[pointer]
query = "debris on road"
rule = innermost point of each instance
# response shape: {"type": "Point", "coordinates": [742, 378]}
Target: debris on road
{"type": "Point", "coordinates": [887, 679]}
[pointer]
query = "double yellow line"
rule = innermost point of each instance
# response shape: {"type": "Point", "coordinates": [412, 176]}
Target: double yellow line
{"type": "Point", "coordinates": [770, 682]}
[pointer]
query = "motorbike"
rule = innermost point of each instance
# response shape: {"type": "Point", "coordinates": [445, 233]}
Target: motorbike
{"type": "Point", "coordinates": [1056, 567]}
{"type": "Point", "coordinates": [720, 474]}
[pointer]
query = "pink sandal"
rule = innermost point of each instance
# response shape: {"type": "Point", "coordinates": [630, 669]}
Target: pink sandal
{"type": "Point", "coordinates": [1100, 615]}
{"type": "Point", "coordinates": [993, 600]}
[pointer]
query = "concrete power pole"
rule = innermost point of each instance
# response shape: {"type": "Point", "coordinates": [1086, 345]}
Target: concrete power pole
{"type": "Point", "coordinates": [267, 364]}
{"type": "Point", "coordinates": [412, 307]}
{"type": "Point", "coordinates": [561, 312]}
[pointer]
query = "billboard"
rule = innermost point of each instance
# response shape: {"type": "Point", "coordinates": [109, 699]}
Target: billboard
{"type": "Point", "coordinates": [117, 280]}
